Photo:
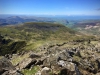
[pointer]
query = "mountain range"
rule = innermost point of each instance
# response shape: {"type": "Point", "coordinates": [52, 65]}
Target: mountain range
{"type": "Point", "coordinates": [49, 46]}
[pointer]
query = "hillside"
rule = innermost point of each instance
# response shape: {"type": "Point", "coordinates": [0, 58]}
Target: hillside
{"type": "Point", "coordinates": [48, 49]}
{"type": "Point", "coordinates": [88, 27]}
{"type": "Point", "coordinates": [8, 46]}
{"type": "Point", "coordinates": [36, 33]}
{"type": "Point", "coordinates": [15, 20]}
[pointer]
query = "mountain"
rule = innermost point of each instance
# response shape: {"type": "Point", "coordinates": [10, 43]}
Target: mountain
{"type": "Point", "coordinates": [44, 48]}
{"type": "Point", "coordinates": [32, 35]}
{"type": "Point", "coordinates": [13, 20]}
{"type": "Point", "coordinates": [88, 27]}
{"type": "Point", "coordinates": [37, 30]}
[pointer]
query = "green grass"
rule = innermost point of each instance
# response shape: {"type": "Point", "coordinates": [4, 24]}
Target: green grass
{"type": "Point", "coordinates": [76, 58]}
{"type": "Point", "coordinates": [30, 72]}
{"type": "Point", "coordinates": [15, 60]}
{"type": "Point", "coordinates": [33, 45]}
{"type": "Point", "coordinates": [36, 34]}
{"type": "Point", "coordinates": [36, 31]}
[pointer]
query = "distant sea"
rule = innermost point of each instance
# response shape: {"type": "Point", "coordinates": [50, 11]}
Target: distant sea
{"type": "Point", "coordinates": [77, 17]}
{"type": "Point", "coordinates": [74, 17]}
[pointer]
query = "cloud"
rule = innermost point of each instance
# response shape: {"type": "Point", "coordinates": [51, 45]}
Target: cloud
{"type": "Point", "coordinates": [98, 9]}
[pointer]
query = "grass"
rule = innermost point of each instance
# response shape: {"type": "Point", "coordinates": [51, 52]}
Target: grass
{"type": "Point", "coordinates": [0, 57]}
{"type": "Point", "coordinates": [30, 72]}
{"type": "Point", "coordinates": [36, 34]}
{"type": "Point", "coordinates": [15, 60]}
{"type": "Point", "coordinates": [76, 58]}
{"type": "Point", "coordinates": [94, 42]}
{"type": "Point", "coordinates": [36, 31]}
{"type": "Point", "coordinates": [33, 45]}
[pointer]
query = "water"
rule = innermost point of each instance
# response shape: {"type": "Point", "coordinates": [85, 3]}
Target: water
{"type": "Point", "coordinates": [76, 17]}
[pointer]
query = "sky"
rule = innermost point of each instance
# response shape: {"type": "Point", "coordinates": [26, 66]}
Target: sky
{"type": "Point", "coordinates": [50, 7]}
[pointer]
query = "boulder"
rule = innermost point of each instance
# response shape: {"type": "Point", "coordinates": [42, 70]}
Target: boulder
{"type": "Point", "coordinates": [38, 73]}
{"type": "Point", "coordinates": [65, 71]}
{"type": "Point", "coordinates": [70, 69]}
{"type": "Point", "coordinates": [6, 67]}
{"type": "Point", "coordinates": [98, 74]}
{"type": "Point", "coordinates": [46, 71]}
{"type": "Point", "coordinates": [33, 55]}
{"type": "Point", "coordinates": [26, 63]}
{"type": "Point", "coordinates": [12, 73]}
{"type": "Point", "coordinates": [98, 61]}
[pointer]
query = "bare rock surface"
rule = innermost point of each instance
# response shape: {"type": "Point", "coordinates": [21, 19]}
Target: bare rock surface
{"type": "Point", "coordinates": [6, 68]}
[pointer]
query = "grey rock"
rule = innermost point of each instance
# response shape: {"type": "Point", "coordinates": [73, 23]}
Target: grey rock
{"type": "Point", "coordinates": [6, 68]}
{"type": "Point", "coordinates": [46, 71]}
{"type": "Point", "coordinates": [33, 55]}
{"type": "Point", "coordinates": [5, 65]}
{"type": "Point", "coordinates": [14, 72]}
{"type": "Point", "coordinates": [61, 63]}
{"type": "Point", "coordinates": [38, 73]}
{"type": "Point", "coordinates": [26, 63]}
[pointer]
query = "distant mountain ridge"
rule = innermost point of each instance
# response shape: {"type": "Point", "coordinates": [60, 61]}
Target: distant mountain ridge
{"type": "Point", "coordinates": [15, 20]}
{"type": "Point", "coordinates": [12, 20]}
{"type": "Point", "coordinates": [88, 27]}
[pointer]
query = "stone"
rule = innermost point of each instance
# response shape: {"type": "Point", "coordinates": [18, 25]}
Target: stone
{"type": "Point", "coordinates": [38, 73]}
{"type": "Point", "coordinates": [46, 71]}
{"type": "Point", "coordinates": [5, 65]}
{"type": "Point", "coordinates": [61, 63]}
{"type": "Point", "coordinates": [26, 63]}
{"type": "Point", "coordinates": [33, 55]}
{"type": "Point", "coordinates": [12, 73]}
{"type": "Point", "coordinates": [6, 68]}
{"type": "Point", "coordinates": [98, 74]}
{"type": "Point", "coordinates": [98, 62]}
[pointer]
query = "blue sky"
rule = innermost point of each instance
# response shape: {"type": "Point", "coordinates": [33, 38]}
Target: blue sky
{"type": "Point", "coordinates": [50, 7]}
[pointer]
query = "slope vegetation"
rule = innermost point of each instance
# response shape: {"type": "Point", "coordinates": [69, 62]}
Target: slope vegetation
{"type": "Point", "coordinates": [39, 33]}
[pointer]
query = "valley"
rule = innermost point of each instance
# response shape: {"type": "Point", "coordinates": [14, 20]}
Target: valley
{"type": "Point", "coordinates": [50, 48]}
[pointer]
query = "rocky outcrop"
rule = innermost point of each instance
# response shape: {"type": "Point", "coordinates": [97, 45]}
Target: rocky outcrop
{"type": "Point", "coordinates": [12, 73]}
{"type": "Point", "coordinates": [6, 68]}
{"type": "Point", "coordinates": [61, 61]}
{"type": "Point", "coordinates": [80, 60]}
{"type": "Point", "coordinates": [58, 59]}
{"type": "Point", "coordinates": [44, 71]}
{"type": "Point", "coordinates": [26, 63]}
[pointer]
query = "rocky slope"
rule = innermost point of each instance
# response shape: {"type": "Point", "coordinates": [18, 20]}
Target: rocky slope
{"type": "Point", "coordinates": [68, 58]}
{"type": "Point", "coordinates": [61, 52]}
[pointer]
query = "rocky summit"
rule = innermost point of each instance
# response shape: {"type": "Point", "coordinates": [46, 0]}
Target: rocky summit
{"type": "Point", "coordinates": [47, 49]}
{"type": "Point", "coordinates": [55, 59]}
